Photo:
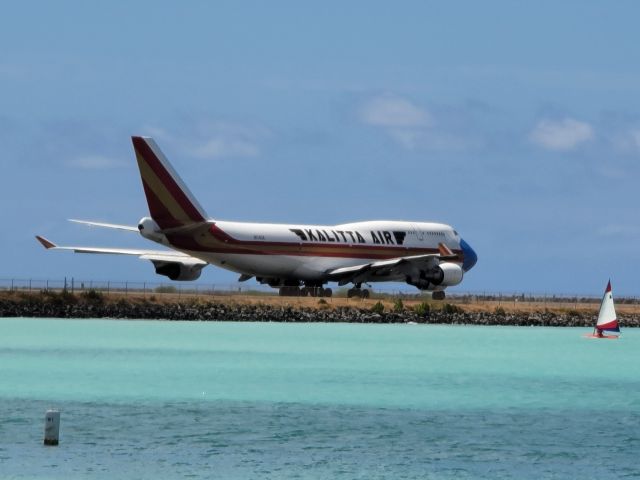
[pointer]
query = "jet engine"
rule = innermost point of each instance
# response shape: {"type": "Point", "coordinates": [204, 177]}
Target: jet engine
{"type": "Point", "coordinates": [446, 275]}
{"type": "Point", "coordinates": [178, 271]}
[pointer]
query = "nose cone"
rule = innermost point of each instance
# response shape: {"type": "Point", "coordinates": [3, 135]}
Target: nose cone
{"type": "Point", "coordinates": [469, 257]}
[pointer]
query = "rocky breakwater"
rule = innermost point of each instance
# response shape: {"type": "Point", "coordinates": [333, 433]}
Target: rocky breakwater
{"type": "Point", "coordinates": [95, 306]}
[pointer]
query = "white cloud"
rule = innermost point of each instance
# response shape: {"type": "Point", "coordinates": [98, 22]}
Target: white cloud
{"type": "Point", "coordinates": [224, 146]}
{"type": "Point", "coordinates": [211, 140]}
{"type": "Point", "coordinates": [413, 127]}
{"type": "Point", "coordinates": [94, 162]}
{"type": "Point", "coordinates": [403, 121]}
{"type": "Point", "coordinates": [407, 137]}
{"type": "Point", "coordinates": [394, 112]}
{"type": "Point", "coordinates": [561, 135]}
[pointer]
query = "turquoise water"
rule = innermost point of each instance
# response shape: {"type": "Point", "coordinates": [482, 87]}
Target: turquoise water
{"type": "Point", "coordinates": [155, 399]}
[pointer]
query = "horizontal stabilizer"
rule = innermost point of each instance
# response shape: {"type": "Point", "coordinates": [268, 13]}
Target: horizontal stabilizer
{"type": "Point", "coordinates": [45, 243]}
{"type": "Point", "coordinates": [115, 226]}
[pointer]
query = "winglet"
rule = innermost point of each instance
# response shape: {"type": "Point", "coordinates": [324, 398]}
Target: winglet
{"type": "Point", "coordinates": [444, 250]}
{"type": "Point", "coordinates": [45, 243]}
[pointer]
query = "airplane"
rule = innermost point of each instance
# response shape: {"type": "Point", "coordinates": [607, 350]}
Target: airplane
{"type": "Point", "coordinates": [299, 260]}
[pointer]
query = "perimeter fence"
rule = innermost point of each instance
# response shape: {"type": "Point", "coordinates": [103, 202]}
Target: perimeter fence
{"type": "Point", "coordinates": [191, 289]}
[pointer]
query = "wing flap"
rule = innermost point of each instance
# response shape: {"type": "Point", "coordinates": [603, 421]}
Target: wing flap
{"type": "Point", "coordinates": [163, 257]}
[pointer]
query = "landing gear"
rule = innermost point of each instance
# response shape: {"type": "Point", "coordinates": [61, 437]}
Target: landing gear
{"type": "Point", "coordinates": [358, 293]}
{"type": "Point", "coordinates": [317, 292]}
{"type": "Point", "coordinates": [438, 295]}
{"type": "Point", "coordinates": [305, 291]}
{"type": "Point", "coordinates": [289, 292]}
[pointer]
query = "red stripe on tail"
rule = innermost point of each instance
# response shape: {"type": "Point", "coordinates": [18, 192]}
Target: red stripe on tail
{"type": "Point", "coordinates": [179, 194]}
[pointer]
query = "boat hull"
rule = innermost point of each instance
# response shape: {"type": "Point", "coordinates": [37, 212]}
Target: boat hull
{"type": "Point", "coordinates": [608, 337]}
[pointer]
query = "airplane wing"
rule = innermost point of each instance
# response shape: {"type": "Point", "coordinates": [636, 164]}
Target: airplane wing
{"type": "Point", "coordinates": [155, 256]}
{"type": "Point", "coordinates": [391, 269]}
{"type": "Point", "coordinates": [378, 271]}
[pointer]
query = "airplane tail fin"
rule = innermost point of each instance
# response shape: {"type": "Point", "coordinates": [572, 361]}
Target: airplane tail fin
{"type": "Point", "coordinates": [171, 204]}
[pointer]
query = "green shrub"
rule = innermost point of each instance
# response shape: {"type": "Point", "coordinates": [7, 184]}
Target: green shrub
{"type": "Point", "coordinates": [499, 311]}
{"type": "Point", "coordinates": [422, 309]}
{"type": "Point", "coordinates": [92, 296]}
{"type": "Point", "coordinates": [378, 308]}
{"type": "Point", "coordinates": [398, 306]}
{"type": "Point", "coordinates": [450, 308]}
{"type": "Point", "coordinates": [64, 297]}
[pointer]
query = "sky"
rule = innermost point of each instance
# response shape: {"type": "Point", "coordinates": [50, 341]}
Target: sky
{"type": "Point", "coordinates": [518, 123]}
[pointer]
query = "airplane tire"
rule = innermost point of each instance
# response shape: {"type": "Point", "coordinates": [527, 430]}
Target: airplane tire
{"type": "Point", "coordinates": [439, 295]}
{"type": "Point", "coordinates": [358, 293]}
{"type": "Point", "coordinates": [328, 292]}
{"type": "Point", "coordinates": [289, 292]}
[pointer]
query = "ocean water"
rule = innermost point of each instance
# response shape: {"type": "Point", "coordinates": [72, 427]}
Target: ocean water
{"type": "Point", "coordinates": [157, 399]}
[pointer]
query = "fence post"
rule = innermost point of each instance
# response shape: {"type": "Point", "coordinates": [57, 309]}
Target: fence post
{"type": "Point", "coordinates": [126, 288]}
{"type": "Point", "coordinates": [108, 287]}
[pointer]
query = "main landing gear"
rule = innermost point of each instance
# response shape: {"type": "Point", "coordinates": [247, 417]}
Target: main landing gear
{"type": "Point", "coordinates": [358, 292]}
{"type": "Point", "coordinates": [438, 295]}
{"type": "Point", "coordinates": [305, 291]}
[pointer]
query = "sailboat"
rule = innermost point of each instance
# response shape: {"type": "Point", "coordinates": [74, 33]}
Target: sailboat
{"type": "Point", "coordinates": [607, 319]}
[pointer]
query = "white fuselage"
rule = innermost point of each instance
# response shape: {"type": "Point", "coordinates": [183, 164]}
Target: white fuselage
{"type": "Point", "coordinates": [307, 252]}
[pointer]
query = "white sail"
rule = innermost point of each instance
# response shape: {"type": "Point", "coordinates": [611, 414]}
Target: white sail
{"type": "Point", "coordinates": [607, 319]}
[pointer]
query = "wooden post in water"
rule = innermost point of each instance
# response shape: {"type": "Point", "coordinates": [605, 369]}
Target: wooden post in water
{"type": "Point", "coordinates": [51, 427]}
